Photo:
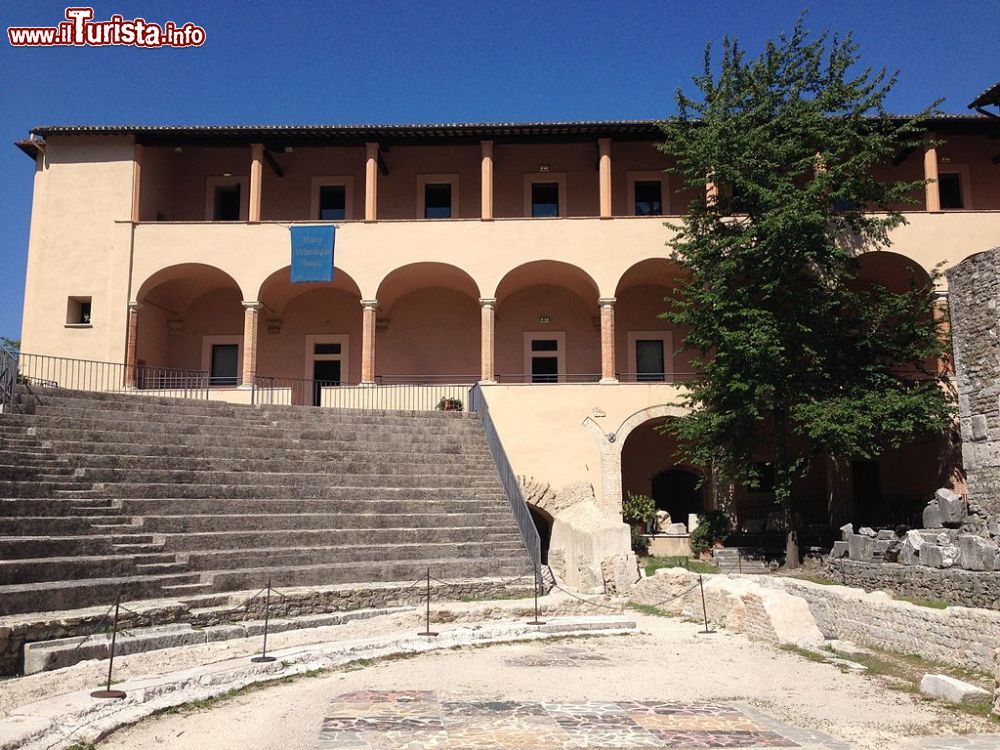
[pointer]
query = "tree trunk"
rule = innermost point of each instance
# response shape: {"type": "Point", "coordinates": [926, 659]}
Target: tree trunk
{"type": "Point", "coordinates": [791, 538]}
{"type": "Point", "coordinates": [783, 489]}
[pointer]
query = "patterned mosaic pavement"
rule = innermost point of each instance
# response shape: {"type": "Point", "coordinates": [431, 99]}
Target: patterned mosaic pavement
{"type": "Point", "coordinates": [423, 720]}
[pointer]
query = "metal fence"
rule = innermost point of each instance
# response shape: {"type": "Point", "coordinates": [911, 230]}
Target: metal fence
{"type": "Point", "coordinates": [511, 485]}
{"type": "Point", "coordinates": [403, 396]}
{"type": "Point", "coordinates": [8, 379]}
{"type": "Point", "coordinates": [110, 377]}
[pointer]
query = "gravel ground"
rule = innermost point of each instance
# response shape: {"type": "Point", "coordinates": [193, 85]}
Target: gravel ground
{"type": "Point", "coordinates": [667, 661]}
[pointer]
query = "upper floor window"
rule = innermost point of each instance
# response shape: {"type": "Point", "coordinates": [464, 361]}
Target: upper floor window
{"type": "Point", "coordinates": [544, 199]}
{"type": "Point", "coordinates": [332, 198]}
{"type": "Point", "coordinates": [437, 201]}
{"type": "Point", "coordinates": [437, 196]}
{"type": "Point", "coordinates": [950, 190]}
{"type": "Point", "coordinates": [332, 202]}
{"type": "Point", "coordinates": [648, 198]}
{"type": "Point", "coordinates": [226, 198]}
{"type": "Point", "coordinates": [227, 202]}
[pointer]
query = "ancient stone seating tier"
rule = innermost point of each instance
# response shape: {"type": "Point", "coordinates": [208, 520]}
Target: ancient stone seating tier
{"type": "Point", "coordinates": [172, 498]}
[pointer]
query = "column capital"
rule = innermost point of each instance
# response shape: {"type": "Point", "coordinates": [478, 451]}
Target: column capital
{"type": "Point", "coordinates": [369, 304]}
{"type": "Point", "coordinates": [252, 305]}
{"type": "Point", "coordinates": [487, 301]}
{"type": "Point", "coordinates": [134, 306]}
{"type": "Point", "coordinates": [607, 301]}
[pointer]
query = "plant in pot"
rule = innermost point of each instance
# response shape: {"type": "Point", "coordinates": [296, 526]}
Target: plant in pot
{"type": "Point", "coordinates": [638, 510]}
{"type": "Point", "coordinates": [450, 404]}
{"type": "Point", "coordinates": [714, 528]}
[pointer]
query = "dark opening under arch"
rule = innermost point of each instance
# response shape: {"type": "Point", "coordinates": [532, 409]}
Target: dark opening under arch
{"type": "Point", "coordinates": [677, 491]}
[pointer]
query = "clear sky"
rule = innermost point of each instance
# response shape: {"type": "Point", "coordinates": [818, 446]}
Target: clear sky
{"type": "Point", "coordinates": [387, 61]}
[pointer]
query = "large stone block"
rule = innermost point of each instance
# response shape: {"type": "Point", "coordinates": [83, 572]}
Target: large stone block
{"type": "Point", "coordinates": [932, 515]}
{"type": "Point", "coordinates": [952, 505]}
{"type": "Point", "coordinates": [861, 547]}
{"type": "Point", "coordinates": [840, 550]}
{"type": "Point", "coordinates": [954, 691]}
{"type": "Point", "coordinates": [938, 556]}
{"type": "Point", "coordinates": [846, 531]}
{"type": "Point", "coordinates": [976, 552]}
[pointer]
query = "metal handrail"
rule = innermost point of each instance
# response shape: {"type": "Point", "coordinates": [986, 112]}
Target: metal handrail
{"type": "Point", "coordinates": [278, 391]}
{"type": "Point", "coordinates": [509, 480]}
{"type": "Point", "coordinates": [8, 379]}
{"type": "Point", "coordinates": [111, 377]}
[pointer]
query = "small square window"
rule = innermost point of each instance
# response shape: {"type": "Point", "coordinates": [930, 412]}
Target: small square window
{"type": "Point", "coordinates": [950, 190]}
{"type": "Point", "coordinates": [437, 201]}
{"type": "Point", "coordinates": [227, 202]}
{"type": "Point", "coordinates": [332, 202]}
{"type": "Point", "coordinates": [78, 311]}
{"type": "Point", "coordinates": [544, 199]}
{"type": "Point", "coordinates": [648, 198]}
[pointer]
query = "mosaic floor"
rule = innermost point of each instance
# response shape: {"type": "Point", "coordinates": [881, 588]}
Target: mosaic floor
{"type": "Point", "coordinates": [421, 720]}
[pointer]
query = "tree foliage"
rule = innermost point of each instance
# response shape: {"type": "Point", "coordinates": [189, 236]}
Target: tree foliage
{"type": "Point", "coordinates": [799, 358]}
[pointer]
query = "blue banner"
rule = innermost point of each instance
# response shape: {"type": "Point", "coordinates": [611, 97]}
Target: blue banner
{"type": "Point", "coordinates": [312, 253]}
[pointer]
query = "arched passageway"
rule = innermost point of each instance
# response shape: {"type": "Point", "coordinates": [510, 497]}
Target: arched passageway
{"type": "Point", "coordinates": [678, 491]}
{"type": "Point", "coordinates": [543, 525]}
{"type": "Point", "coordinates": [547, 324]}
{"type": "Point", "coordinates": [191, 318]}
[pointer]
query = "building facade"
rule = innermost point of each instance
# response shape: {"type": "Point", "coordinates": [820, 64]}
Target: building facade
{"type": "Point", "coordinates": [531, 258]}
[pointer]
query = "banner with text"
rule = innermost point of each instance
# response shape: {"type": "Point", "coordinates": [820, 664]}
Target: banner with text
{"type": "Point", "coordinates": [312, 253]}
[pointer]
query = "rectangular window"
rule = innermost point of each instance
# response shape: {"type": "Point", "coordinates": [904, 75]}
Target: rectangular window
{"type": "Point", "coordinates": [327, 349]}
{"type": "Point", "coordinates": [227, 202]}
{"type": "Point", "coordinates": [544, 345]}
{"type": "Point", "coordinates": [950, 190]}
{"type": "Point", "coordinates": [332, 202]}
{"type": "Point", "coordinates": [544, 199]}
{"type": "Point", "coordinates": [78, 311]}
{"type": "Point", "coordinates": [223, 365]}
{"type": "Point", "coordinates": [437, 201]}
{"type": "Point", "coordinates": [648, 198]}
{"type": "Point", "coordinates": [649, 361]}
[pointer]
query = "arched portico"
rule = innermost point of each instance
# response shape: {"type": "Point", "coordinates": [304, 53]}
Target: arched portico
{"type": "Point", "coordinates": [428, 325]}
{"type": "Point", "coordinates": [548, 327]}
{"type": "Point", "coordinates": [188, 316]}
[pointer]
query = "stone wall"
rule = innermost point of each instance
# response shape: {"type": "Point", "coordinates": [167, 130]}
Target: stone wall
{"type": "Point", "coordinates": [974, 305]}
{"type": "Point", "coordinates": [960, 636]}
{"type": "Point", "coordinates": [966, 588]}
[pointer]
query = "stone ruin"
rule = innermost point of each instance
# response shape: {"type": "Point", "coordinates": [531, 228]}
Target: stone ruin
{"type": "Point", "coordinates": [959, 532]}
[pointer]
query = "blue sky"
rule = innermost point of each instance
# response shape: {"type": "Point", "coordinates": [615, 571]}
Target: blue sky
{"type": "Point", "coordinates": [344, 62]}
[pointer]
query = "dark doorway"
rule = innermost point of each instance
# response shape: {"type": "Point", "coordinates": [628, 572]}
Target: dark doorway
{"type": "Point", "coordinates": [224, 366]}
{"type": "Point", "coordinates": [325, 374]}
{"type": "Point", "coordinates": [543, 524]}
{"type": "Point", "coordinates": [677, 492]}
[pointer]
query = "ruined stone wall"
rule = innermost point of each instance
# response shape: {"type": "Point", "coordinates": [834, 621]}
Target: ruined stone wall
{"type": "Point", "coordinates": [966, 588]}
{"type": "Point", "coordinates": [974, 305]}
{"type": "Point", "coordinates": [960, 636]}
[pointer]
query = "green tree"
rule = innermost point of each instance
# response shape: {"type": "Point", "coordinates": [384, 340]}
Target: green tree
{"type": "Point", "coordinates": [799, 359]}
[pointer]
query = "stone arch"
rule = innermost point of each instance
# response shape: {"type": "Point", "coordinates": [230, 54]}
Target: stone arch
{"type": "Point", "coordinates": [187, 280]}
{"type": "Point", "coordinates": [612, 443]}
{"type": "Point", "coordinates": [277, 290]}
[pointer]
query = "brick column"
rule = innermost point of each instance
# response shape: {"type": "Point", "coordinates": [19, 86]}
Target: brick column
{"type": "Point", "coordinates": [932, 195]}
{"type": "Point", "coordinates": [487, 180]}
{"type": "Point", "coordinates": [368, 341]}
{"type": "Point", "coordinates": [131, 343]}
{"type": "Point", "coordinates": [711, 191]}
{"type": "Point", "coordinates": [604, 169]}
{"type": "Point", "coordinates": [256, 175]}
{"type": "Point", "coordinates": [251, 318]}
{"type": "Point", "coordinates": [488, 305]}
{"type": "Point", "coordinates": [371, 182]}
{"type": "Point", "coordinates": [608, 340]}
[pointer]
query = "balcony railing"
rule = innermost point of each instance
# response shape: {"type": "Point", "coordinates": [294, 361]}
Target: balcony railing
{"type": "Point", "coordinates": [417, 394]}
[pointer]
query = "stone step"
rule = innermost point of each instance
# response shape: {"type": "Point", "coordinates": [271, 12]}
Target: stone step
{"type": "Point", "coordinates": [240, 416]}
{"type": "Point", "coordinates": [371, 500]}
{"type": "Point", "coordinates": [34, 570]}
{"type": "Point", "coordinates": [378, 471]}
{"type": "Point", "coordinates": [335, 442]}
{"type": "Point", "coordinates": [27, 547]}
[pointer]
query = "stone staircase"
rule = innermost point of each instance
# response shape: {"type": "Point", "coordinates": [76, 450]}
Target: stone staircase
{"type": "Point", "coordinates": [740, 560]}
{"type": "Point", "coordinates": [189, 500]}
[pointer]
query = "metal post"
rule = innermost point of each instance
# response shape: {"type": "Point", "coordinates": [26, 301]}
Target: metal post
{"type": "Point", "coordinates": [704, 607]}
{"type": "Point", "coordinates": [267, 615]}
{"type": "Point", "coordinates": [739, 558]}
{"type": "Point", "coordinates": [108, 692]}
{"type": "Point", "coordinates": [427, 629]}
{"type": "Point", "coordinates": [538, 578]}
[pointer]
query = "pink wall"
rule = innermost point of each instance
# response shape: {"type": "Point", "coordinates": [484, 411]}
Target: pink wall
{"type": "Point", "coordinates": [397, 191]}
{"type": "Point", "coordinates": [430, 331]}
{"type": "Point", "coordinates": [213, 314]}
{"type": "Point", "coordinates": [638, 309]}
{"type": "Point", "coordinates": [578, 161]}
{"type": "Point", "coordinates": [521, 311]}
{"type": "Point", "coordinates": [289, 198]}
